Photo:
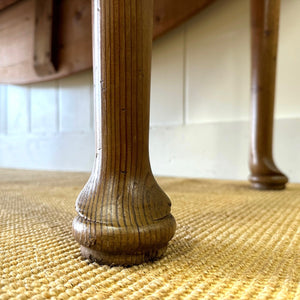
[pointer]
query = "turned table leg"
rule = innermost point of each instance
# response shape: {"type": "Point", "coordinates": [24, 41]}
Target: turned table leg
{"type": "Point", "coordinates": [123, 215]}
{"type": "Point", "coordinates": [264, 26]}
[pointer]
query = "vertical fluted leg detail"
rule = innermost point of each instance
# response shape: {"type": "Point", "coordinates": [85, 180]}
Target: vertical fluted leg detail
{"type": "Point", "coordinates": [264, 27]}
{"type": "Point", "coordinates": [123, 215]}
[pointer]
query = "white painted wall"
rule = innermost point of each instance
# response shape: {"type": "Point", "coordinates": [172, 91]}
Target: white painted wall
{"type": "Point", "coordinates": [199, 104]}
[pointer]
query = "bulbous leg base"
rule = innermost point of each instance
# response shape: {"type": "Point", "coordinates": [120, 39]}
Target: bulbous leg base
{"type": "Point", "coordinates": [124, 217]}
{"type": "Point", "coordinates": [122, 259]}
{"type": "Point", "coordinates": [268, 182]}
{"type": "Point", "coordinates": [266, 176]}
{"type": "Point", "coordinates": [124, 246]}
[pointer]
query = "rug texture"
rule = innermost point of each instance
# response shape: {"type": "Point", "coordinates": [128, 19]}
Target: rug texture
{"type": "Point", "coordinates": [231, 243]}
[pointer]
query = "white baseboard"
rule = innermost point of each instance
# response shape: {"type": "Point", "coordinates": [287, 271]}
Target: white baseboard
{"type": "Point", "coordinates": [220, 150]}
{"type": "Point", "coordinates": [208, 150]}
{"type": "Point", "coordinates": [68, 152]}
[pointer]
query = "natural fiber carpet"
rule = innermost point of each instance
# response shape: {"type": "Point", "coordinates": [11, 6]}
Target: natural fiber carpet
{"type": "Point", "coordinates": [231, 243]}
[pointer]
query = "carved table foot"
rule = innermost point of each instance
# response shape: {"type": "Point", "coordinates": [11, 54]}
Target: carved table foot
{"type": "Point", "coordinates": [123, 215]}
{"type": "Point", "coordinates": [266, 176]}
{"type": "Point", "coordinates": [264, 27]}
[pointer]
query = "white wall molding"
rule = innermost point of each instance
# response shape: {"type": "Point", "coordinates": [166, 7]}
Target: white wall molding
{"type": "Point", "coordinates": [220, 149]}
{"type": "Point", "coordinates": [69, 152]}
{"type": "Point", "coordinates": [207, 150]}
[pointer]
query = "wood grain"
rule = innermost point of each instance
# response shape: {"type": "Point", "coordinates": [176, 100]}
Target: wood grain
{"type": "Point", "coordinates": [43, 40]}
{"type": "Point", "coordinates": [74, 39]}
{"type": "Point", "coordinates": [6, 3]}
{"type": "Point", "coordinates": [171, 13]}
{"type": "Point", "coordinates": [123, 215]}
{"type": "Point", "coordinates": [264, 24]}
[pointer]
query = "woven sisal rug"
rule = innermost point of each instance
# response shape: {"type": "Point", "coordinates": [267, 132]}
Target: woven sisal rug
{"type": "Point", "coordinates": [231, 243]}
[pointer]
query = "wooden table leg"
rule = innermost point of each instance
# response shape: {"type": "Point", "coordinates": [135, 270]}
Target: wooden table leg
{"type": "Point", "coordinates": [264, 25]}
{"type": "Point", "coordinates": [123, 215]}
